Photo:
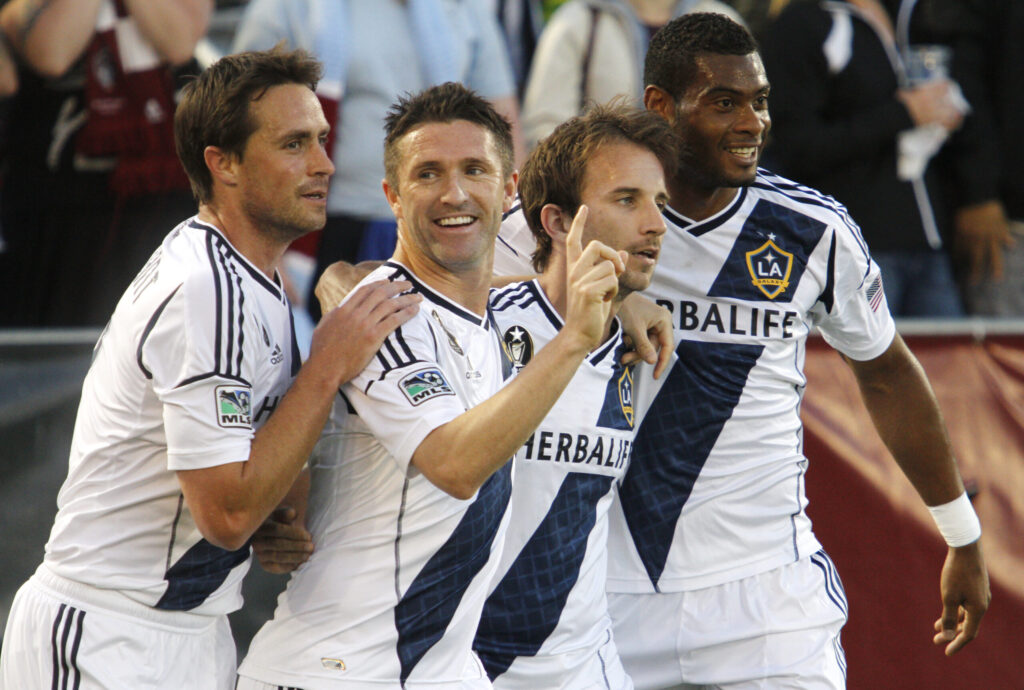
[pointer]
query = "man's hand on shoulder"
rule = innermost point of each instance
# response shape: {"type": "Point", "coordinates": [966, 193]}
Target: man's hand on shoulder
{"type": "Point", "coordinates": [348, 336]}
{"type": "Point", "coordinates": [648, 328]}
{"type": "Point", "coordinates": [337, 281]}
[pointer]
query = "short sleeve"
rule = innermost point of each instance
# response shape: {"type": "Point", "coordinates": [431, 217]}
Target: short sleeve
{"type": "Point", "coordinates": [405, 393]}
{"type": "Point", "coordinates": [203, 382]}
{"type": "Point", "coordinates": [857, 322]}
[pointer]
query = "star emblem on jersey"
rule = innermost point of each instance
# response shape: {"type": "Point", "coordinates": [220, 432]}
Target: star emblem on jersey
{"type": "Point", "coordinates": [518, 346]}
{"type": "Point", "coordinates": [770, 267]}
{"type": "Point", "coordinates": [234, 406]}
{"type": "Point", "coordinates": [425, 384]}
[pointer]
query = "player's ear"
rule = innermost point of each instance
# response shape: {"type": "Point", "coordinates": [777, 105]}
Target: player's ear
{"type": "Point", "coordinates": [223, 165]}
{"type": "Point", "coordinates": [511, 185]}
{"type": "Point", "coordinates": [394, 201]}
{"type": "Point", "coordinates": [659, 101]}
{"type": "Point", "coordinates": [556, 222]}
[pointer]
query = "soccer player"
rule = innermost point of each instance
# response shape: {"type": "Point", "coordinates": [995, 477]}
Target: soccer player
{"type": "Point", "coordinates": [185, 439]}
{"type": "Point", "coordinates": [411, 482]}
{"type": "Point", "coordinates": [715, 576]}
{"type": "Point", "coordinates": [545, 623]}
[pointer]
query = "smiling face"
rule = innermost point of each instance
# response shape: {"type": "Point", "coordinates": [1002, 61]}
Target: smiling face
{"type": "Point", "coordinates": [624, 188]}
{"type": "Point", "coordinates": [722, 120]}
{"type": "Point", "coordinates": [284, 170]}
{"type": "Point", "coordinates": [449, 194]}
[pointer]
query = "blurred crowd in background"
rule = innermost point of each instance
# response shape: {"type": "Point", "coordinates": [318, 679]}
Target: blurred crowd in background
{"type": "Point", "coordinates": [901, 109]}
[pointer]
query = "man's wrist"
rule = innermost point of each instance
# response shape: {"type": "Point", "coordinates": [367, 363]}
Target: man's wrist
{"type": "Point", "coordinates": [957, 521]}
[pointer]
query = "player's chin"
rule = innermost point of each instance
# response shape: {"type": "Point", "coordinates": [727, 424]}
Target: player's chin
{"type": "Point", "coordinates": [743, 178]}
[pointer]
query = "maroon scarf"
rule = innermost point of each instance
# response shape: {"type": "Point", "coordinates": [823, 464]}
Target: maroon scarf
{"type": "Point", "coordinates": [130, 114]}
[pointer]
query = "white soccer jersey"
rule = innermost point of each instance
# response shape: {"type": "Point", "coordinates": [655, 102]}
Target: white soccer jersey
{"type": "Point", "coordinates": [549, 595]}
{"type": "Point", "coordinates": [196, 356]}
{"type": "Point", "coordinates": [515, 244]}
{"type": "Point", "coordinates": [715, 491]}
{"type": "Point", "coordinates": [394, 589]}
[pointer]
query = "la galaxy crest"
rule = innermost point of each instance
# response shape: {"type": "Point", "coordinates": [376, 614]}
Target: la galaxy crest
{"type": "Point", "coordinates": [617, 408]}
{"type": "Point", "coordinates": [518, 346]}
{"type": "Point", "coordinates": [625, 387]}
{"type": "Point", "coordinates": [770, 268]}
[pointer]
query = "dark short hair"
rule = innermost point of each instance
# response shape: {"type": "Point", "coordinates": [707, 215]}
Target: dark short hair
{"type": "Point", "coordinates": [553, 174]}
{"type": "Point", "coordinates": [671, 62]}
{"type": "Point", "coordinates": [214, 108]}
{"type": "Point", "coordinates": [443, 103]}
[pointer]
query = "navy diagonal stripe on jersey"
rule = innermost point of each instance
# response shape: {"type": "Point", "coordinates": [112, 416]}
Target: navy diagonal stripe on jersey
{"type": "Point", "coordinates": [424, 612]}
{"type": "Point", "coordinates": [675, 439]}
{"type": "Point", "coordinates": [793, 232]}
{"type": "Point", "coordinates": [525, 606]}
{"type": "Point", "coordinates": [198, 574]}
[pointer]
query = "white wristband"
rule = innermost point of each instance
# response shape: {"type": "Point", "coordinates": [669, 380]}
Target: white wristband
{"type": "Point", "coordinates": [957, 521]}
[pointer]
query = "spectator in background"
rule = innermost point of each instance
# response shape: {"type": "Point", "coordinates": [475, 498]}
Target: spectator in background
{"type": "Point", "coordinates": [846, 111]}
{"type": "Point", "coordinates": [97, 181]}
{"type": "Point", "coordinates": [593, 50]}
{"type": "Point", "coordinates": [990, 61]}
{"type": "Point", "coordinates": [373, 53]}
{"type": "Point", "coordinates": [522, 21]}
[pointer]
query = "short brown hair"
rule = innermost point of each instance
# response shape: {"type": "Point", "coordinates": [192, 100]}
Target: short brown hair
{"type": "Point", "coordinates": [214, 108]}
{"type": "Point", "coordinates": [443, 103]}
{"type": "Point", "coordinates": [553, 174]}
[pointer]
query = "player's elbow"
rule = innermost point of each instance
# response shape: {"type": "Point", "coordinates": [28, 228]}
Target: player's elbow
{"type": "Point", "coordinates": [455, 484]}
{"type": "Point", "coordinates": [449, 477]}
{"type": "Point", "coordinates": [228, 530]}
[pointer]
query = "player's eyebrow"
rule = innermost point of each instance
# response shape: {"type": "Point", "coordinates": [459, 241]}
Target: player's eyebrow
{"type": "Point", "coordinates": [300, 134]}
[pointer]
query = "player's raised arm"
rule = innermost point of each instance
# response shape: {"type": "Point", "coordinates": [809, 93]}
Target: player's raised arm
{"type": "Point", "coordinates": [906, 415]}
{"type": "Point", "coordinates": [460, 455]}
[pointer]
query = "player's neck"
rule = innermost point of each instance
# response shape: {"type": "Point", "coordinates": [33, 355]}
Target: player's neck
{"type": "Point", "coordinates": [699, 203]}
{"type": "Point", "coordinates": [261, 249]}
{"type": "Point", "coordinates": [467, 287]}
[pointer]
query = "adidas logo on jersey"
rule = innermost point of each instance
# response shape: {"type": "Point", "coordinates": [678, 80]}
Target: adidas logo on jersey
{"type": "Point", "coordinates": [277, 356]}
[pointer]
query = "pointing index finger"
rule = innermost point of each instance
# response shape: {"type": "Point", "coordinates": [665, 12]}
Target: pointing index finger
{"type": "Point", "coordinates": [574, 240]}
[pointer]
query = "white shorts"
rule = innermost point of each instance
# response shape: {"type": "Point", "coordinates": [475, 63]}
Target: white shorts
{"type": "Point", "coordinates": [778, 629]}
{"type": "Point", "coordinates": [247, 683]}
{"type": "Point", "coordinates": [58, 636]}
{"type": "Point", "coordinates": [586, 669]}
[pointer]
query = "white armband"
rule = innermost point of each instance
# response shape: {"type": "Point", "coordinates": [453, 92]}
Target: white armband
{"type": "Point", "coordinates": [957, 521]}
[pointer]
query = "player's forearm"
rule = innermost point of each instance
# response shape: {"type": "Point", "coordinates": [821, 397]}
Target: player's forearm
{"type": "Point", "coordinates": [173, 27]}
{"type": "Point", "coordinates": [282, 446]}
{"type": "Point", "coordinates": [459, 456]}
{"type": "Point", "coordinates": [50, 35]}
{"type": "Point", "coordinates": [229, 502]}
{"type": "Point", "coordinates": [906, 414]}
